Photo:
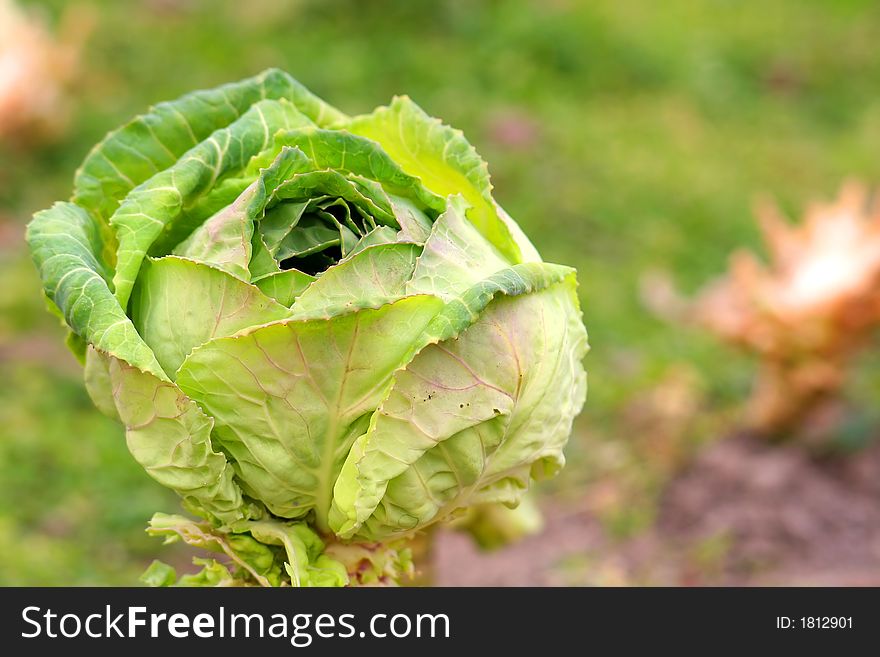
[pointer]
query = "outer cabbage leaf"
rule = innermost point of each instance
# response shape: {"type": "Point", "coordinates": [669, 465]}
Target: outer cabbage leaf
{"type": "Point", "coordinates": [455, 256]}
{"type": "Point", "coordinates": [170, 436]}
{"type": "Point", "coordinates": [179, 304]}
{"type": "Point", "coordinates": [470, 419]}
{"type": "Point", "coordinates": [306, 565]}
{"type": "Point", "coordinates": [493, 526]}
{"type": "Point", "coordinates": [65, 245]}
{"type": "Point", "coordinates": [249, 561]}
{"type": "Point", "coordinates": [154, 141]}
{"type": "Point", "coordinates": [96, 373]}
{"type": "Point", "coordinates": [443, 160]}
{"type": "Point", "coordinates": [289, 398]}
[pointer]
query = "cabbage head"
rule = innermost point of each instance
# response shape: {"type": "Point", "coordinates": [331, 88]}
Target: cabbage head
{"type": "Point", "coordinates": [320, 330]}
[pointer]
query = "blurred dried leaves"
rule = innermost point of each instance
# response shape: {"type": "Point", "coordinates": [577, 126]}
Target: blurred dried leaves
{"type": "Point", "coordinates": [806, 312]}
{"type": "Point", "coordinates": [38, 69]}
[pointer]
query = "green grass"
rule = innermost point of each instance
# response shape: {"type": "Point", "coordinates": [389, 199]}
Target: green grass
{"type": "Point", "coordinates": [649, 129]}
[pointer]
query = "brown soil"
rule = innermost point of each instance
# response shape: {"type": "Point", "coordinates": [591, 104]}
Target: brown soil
{"type": "Point", "coordinates": [743, 513]}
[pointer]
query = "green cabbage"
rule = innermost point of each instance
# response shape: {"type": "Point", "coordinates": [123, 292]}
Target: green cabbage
{"type": "Point", "coordinates": [320, 330]}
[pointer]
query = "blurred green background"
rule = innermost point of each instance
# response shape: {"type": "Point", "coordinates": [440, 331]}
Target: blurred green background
{"type": "Point", "coordinates": [625, 137]}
